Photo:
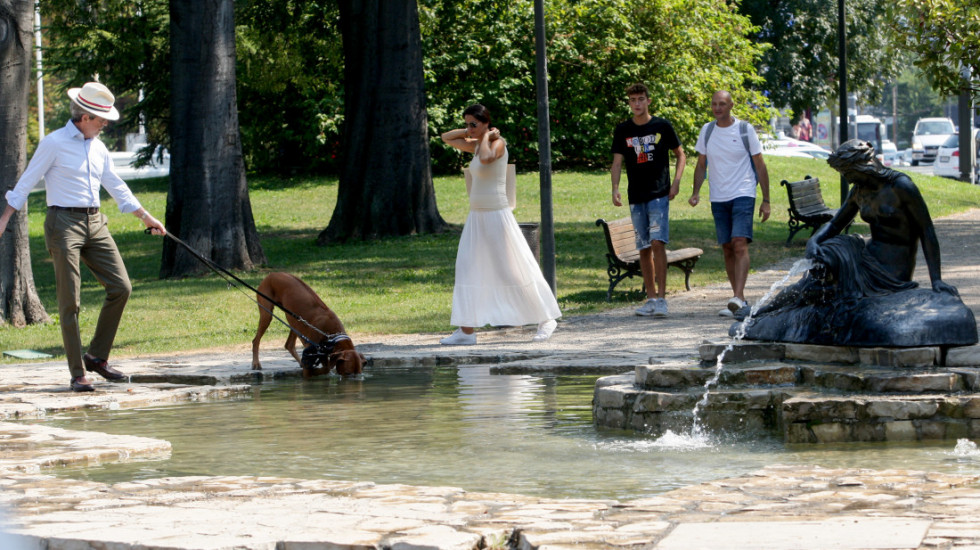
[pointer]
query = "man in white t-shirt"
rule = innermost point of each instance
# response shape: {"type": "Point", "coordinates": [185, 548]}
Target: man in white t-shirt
{"type": "Point", "coordinates": [735, 153]}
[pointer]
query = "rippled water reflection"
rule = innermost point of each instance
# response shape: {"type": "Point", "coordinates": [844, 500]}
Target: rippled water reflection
{"type": "Point", "coordinates": [459, 427]}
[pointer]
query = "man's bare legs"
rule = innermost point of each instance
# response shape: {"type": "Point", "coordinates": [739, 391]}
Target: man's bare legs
{"type": "Point", "coordinates": [736, 254]}
{"type": "Point", "coordinates": [653, 265]}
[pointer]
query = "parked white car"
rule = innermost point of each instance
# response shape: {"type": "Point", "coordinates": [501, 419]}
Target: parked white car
{"type": "Point", "coordinates": [889, 154]}
{"type": "Point", "coordinates": [788, 147]}
{"type": "Point", "coordinates": [928, 135]}
{"type": "Point", "coordinates": [948, 157]}
{"type": "Point", "coordinates": [123, 161]}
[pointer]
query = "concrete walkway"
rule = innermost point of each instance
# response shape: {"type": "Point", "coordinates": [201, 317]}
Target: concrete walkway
{"type": "Point", "coordinates": [776, 508]}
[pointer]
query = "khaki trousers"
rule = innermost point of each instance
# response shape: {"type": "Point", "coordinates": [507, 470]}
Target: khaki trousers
{"type": "Point", "coordinates": [70, 237]}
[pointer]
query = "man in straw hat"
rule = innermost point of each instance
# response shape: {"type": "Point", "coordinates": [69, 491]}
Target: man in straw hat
{"type": "Point", "coordinates": [74, 164]}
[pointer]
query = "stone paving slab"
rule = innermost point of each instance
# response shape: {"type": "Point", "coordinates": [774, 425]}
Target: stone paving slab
{"type": "Point", "coordinates": [843, 533]}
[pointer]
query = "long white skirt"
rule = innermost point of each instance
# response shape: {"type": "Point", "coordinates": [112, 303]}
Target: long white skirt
{"type": "Point", "coordinates": [498, 282]}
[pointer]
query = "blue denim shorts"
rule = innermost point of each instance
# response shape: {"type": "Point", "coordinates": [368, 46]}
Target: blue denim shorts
{"type": "Point", "coordinates": [650, 221]}
{"type": "Point", "coordinates": [733, 218]}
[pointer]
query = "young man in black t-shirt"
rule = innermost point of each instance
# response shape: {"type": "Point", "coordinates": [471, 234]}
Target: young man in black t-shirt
{"type": "Point", "coordinates": [643, 143]}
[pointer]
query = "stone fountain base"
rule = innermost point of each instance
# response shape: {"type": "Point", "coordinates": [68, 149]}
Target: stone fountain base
{"type": "Point", "coordinates": [810, 394]}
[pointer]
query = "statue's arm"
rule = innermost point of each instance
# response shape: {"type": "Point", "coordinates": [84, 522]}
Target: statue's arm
{"type": "Point", "coordinates": [925, 231]}
{"type": "Point", "coordinates": [844, 216]}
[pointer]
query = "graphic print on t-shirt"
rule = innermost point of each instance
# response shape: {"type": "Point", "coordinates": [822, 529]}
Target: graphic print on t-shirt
{"type": "Point", "coordinates": [643, 146]}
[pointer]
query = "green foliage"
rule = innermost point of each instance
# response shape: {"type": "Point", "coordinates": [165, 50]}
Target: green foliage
{"type": "Point", "coordinates": [123, 43]}
{"type": "Point", "coordinates": [290, 71]}
{"type": "Point", "coordinates": [483, 51]}
{"type": "Point", "coordinates": [801, 68]}
{"type": "Point", "coordinates": [944, 36]}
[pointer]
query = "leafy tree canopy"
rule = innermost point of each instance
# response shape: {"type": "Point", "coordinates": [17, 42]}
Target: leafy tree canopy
{"type": "Point", "coordinates": [800, 69]}
{"type": "Point", "coordinates": [290, 70]}
{"type": "Point", "coordinates": [944, 36]}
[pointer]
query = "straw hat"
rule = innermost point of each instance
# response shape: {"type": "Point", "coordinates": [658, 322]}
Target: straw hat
{"type": "Point", "coordinates": [96, 99]}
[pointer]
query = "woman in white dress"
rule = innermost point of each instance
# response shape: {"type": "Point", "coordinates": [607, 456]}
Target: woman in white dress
{"type": "Point", "coordinates": [498, 281]}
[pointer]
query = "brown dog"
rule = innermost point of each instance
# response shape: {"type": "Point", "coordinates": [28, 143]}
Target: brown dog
{"type": "Point", "coordinates": [299, 298]}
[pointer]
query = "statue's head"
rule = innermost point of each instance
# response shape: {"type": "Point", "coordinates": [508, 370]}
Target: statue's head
{"type": "Point", "coordinates": [855, 155]}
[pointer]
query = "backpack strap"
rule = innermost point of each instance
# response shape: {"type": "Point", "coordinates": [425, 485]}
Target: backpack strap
{"type": "Point", "coordinates": [743, 130]}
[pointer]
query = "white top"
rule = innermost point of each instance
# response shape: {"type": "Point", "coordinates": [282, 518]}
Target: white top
{"type": "Point", "coordinates": [488, 190]}
{"type": "Point", "coordinates": [730, 173]}
{"type": "Point", "coordinates": [73, 169]}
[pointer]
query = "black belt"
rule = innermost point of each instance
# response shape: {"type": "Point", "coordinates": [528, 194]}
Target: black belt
{"type": "Point", "coordinates": [77, 209]}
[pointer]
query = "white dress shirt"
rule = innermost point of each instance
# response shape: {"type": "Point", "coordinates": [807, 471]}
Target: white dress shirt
{"type": "Point", "coordinates": [73, 169]}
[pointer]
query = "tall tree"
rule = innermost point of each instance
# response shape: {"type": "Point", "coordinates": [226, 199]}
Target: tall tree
{"type": "Point", "coordinates": [19, 303]}
{"type": "Point", "coordinates": [800, 69]}
{"type": "Point", "coordinates": [944, 36]}
{"type": "Point", "coordinates": [386, 181]}
{"type": "Point", "coordinates": [208, 205]}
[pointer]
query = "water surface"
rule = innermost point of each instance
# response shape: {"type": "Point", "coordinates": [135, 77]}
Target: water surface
{"type": "Point", "coordinates": [461, 427]}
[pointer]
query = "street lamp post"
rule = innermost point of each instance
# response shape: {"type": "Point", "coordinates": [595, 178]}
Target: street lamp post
{"type": "Point", "coordinates": [842, 92]}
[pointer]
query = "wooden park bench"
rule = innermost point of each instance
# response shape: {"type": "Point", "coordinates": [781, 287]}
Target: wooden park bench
{"type": "Point", "coordinates": [806, 206]}
{"type": "Point", "coordinates": [624, 258]}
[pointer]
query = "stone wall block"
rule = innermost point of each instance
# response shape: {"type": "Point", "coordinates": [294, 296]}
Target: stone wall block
{"type": "Point", "coordinates": [901, 410]}
{"type": "Point", "coordinates": [615, 397]}
{"type": "Point", "coordinates": [821, 354]}
{"type": "Point", "coordinates": [900, 430]}
{"type": "Point", "coordinates": [900, 357]}
{"type": "Point", "coordinates": [867, 431]}
{"type": "Point", "coordinates": [799, 432]}
{"type": "Point", "coordinates": [741, 352]}
{"type": "Point", "coordinates": [963, 356]}
{"type": "Point", "coordinates": [916, 383]}
{"type": "Point", "coordinates": [650, 401]}
{"type": "Point", "coordinates": [659, 376]}
{"type": "Point", "coordinates": [830, 432]}
{"type": "Point", "coordinates": [970, 377]}
{"type": "Point", "coordinates": [971, 407]}
{"type": "Point", "coordinates": [931, 429]}
{"type": "Point", "coordinates": [837, 380]}
{"type": "Point", "coordinates": [777, 375]}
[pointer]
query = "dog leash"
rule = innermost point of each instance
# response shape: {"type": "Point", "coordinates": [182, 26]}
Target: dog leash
{"type": "Point", "coordinates": [330, 340]}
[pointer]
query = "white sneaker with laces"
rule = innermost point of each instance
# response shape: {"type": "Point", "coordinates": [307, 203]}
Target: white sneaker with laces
{"type": "Point", "coordinates": [647, 308]}
{"type": "Point", "coordinates": [545, 329]}
{"type": "Point", "coordinates": [660, 307]}
{"type": "Point", "coordinates": [459, 338]}
{"type": "Point", "coordinates": [735, 303]}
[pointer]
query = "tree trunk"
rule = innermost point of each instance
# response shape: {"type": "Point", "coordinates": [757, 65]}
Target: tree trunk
{"type": "Point", "coordinates": [386, 181]}
{"type": "Point", "coordinates": [208, 205]}
{"type": "Point", "coordinates": [19, 303]}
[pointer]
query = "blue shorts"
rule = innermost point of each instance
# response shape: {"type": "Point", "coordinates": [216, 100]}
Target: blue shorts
{"type": "Point", "coordinates": [650, 221]}
{"type": "Point", "coordinates": [733, 218]}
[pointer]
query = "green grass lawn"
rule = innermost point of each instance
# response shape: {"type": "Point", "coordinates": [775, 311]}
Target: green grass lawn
{"type": "Point", "coordinates": [400, 285]}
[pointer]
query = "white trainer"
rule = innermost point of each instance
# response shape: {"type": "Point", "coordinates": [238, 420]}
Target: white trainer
{"type": "Point", "coordinates": [459, 338]}
{"type": "Point", "coordinates": [660, 308]}
{"type": "Point", "coordinates": [735, 303]}
{"type": "Point", "coordinates": [544, 330]}
{"type": "Point", "coordinates": [725, 312]}
{"type": "Point", "coordinates": [648, 308]}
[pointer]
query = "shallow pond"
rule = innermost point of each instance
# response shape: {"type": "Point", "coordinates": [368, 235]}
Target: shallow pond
{"type": "Point", "coordinates": [461, 427]}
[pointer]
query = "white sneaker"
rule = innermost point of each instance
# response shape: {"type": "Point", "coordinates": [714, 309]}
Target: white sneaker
{"type": "Point", "coordinates": [544, 330]}
{"type": "Point", "coordinates": [459, 338]}
{"type": "Point", "coordinates": [725, 312]}
{"type": "Point", "coordinates": [647, 308]}
{"type": "Point", "coordinates": [660, 307]}
{"type": "Point", "coordinates": [735, 303]}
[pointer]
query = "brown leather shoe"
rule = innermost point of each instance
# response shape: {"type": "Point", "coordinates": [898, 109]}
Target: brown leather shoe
{"type": "Point", "coordinates": [79, 386]}
{"type": "Point", "coordinates": [101, 366]}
